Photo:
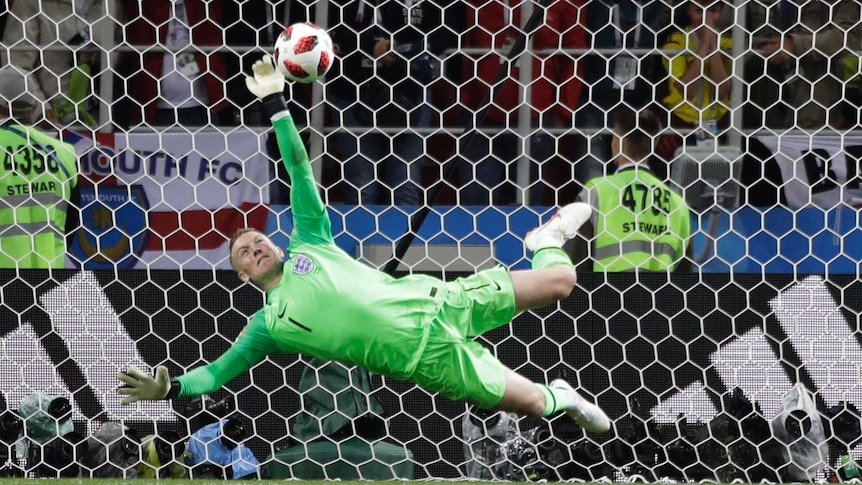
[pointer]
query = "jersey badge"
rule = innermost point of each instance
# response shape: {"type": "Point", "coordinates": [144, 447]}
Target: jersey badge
{"type": "Point", "coordinates": [302, 265]}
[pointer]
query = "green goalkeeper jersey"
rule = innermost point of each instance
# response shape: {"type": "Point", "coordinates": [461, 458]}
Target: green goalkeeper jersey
{"type": "Point", "coordinates": [327, 304]}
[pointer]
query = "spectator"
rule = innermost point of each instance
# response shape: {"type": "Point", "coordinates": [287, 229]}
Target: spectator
{"type": "Point", "coordinates": [404, 44]}
{"type": "Point", "coordinates": [617, 78]}
{"type": "Point", "coordinates": [258, 23]}
{"type": "Point", "coordinates": [178, 82]}
{"type": "Point", "coordinates": [638, 222]}
{"type": "Point", "coordinates": [700, 82]}
{"type": "Point", "coordinates": [802, 56]}
{"type": "Point", "coordinates": [768, 105]}
{"type": "Point", "coordinates": [494, 25]}
{"type": "Point", "coordinates": [852, 89]}
{"type": "Point", "coordinates": [34, 32]}
{"type": "Point", "coordinates": [349, 18]}
{"type": "Point", "coordinates": [36, 182]}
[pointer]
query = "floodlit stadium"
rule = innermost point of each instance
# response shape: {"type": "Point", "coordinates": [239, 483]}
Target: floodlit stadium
{"type": "Point", "coordinates": [715, 319]}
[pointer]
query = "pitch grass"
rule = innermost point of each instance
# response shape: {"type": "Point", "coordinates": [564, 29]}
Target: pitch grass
{"type": "Point", "coordinates": [173, 481]}
{"type": "Point", "coordinates": [166, 481]}
{"type": "Point", "coordinates": [176, 481]}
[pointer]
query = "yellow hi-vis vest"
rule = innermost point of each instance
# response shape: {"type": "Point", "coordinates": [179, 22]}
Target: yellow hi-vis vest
{"type": "Point", "coordinates": [37, 175]}
{"type": "Point", "coordinates": [639, 222]}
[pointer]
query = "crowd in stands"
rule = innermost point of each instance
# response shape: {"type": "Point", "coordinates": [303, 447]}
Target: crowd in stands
{"type": "Point", "coordinates": [412, 76]}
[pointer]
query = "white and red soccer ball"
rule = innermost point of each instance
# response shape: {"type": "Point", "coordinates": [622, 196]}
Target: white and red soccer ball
{"type": "Point", "coordinates": [303, 52]}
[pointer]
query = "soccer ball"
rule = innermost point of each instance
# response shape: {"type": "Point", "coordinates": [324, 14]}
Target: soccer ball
{"type": "Point", "coordinates": [303, 52]}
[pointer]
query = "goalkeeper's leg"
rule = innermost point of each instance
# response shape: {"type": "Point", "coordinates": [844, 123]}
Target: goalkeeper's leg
{"type": "Point", "coordinates": [533, 399]}
{"type": "Point", "coordinates": [564, 225]}
{"type": "Point", "coordinates": [468, 371]}
{"type": "Point", "coordinates": [553, 276]}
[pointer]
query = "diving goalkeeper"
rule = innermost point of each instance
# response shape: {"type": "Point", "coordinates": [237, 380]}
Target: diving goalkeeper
{"type": "Point", "coordinates": [322, 302]}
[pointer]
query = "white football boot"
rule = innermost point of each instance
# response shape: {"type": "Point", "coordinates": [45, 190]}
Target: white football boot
{"type": "Point", "coordinates": [560, 228]}
{"type": "Point", "coordinates": [586, 414]}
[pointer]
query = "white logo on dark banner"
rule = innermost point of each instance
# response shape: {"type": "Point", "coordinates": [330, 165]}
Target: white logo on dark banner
{"type": "Point", "coordinates": [96, 340]}
{"type": "Point", "coordinates": [821, 170]}
{"type": "Point", "coordinates": [828, 349]}
{"type": "Point", "coordinates": [34, 371]}
{"type": "Point", "coordinates": [820, 336]}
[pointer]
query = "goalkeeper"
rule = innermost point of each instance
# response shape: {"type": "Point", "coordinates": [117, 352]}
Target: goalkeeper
{"type": "Point", "coordinates": [322, 302]}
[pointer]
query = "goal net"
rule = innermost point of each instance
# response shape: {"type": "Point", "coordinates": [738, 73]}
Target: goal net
{"type": "Point", "coordinates": [430, 126]}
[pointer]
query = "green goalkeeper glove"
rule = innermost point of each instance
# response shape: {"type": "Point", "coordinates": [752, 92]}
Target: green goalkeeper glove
{"type": "Point", "coordinates": [268, 85]}
{"type": "Point", "coordinates": [142, 387]}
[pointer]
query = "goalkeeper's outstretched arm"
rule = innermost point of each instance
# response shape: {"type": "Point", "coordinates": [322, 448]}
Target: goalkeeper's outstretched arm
{"type": "Point", "coordinates": [311, 222]}
{"type": "Point", "coordinates": [311, 225]}
{"type": "Point", "coordinates": [252, 346]}
{"type": "Point", "coordinates": [139, 386]}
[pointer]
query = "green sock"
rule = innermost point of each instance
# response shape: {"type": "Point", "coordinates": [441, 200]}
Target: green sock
{"type": "Point", "coordinates": [555, 399]}
{"type": "Point", "coordinates": [547, 257]}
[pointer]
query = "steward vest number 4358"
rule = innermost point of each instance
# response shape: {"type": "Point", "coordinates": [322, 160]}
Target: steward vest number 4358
{"type": "Point", "coordinates": [25, 160]}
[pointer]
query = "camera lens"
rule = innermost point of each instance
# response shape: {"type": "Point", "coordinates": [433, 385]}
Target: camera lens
{"type": "Point", "coordinates": [11, 426]}
{"type": "Point", "coordinates": [163, 450]}
{"type": "Point", "coordinates": [544, 441]}
{"type": "Point", "coordinates": [129, 447]}
{"type": "Point", "coordinates": [59, 453]}
{"type": "Point", "coordinates": [222, 407]}
{"type": "Point", "coordinates": [60, 408]}
{"type": "Point", "coordinates": [168, 446]}
{"type": "Point", "coordinates": [487, 417]}
{"type": "Point", "coordinates": [586, 452]}
{"type": "Point", "coordinates": [797, 423]}
{"type": "Point", "coordinates": [233, 432]}
{"type": "Point", "coordinates": [204, 411]}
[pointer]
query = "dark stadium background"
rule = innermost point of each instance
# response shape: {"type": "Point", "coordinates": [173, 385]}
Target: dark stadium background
{"type": "Point", "coordinates": [637, 338]}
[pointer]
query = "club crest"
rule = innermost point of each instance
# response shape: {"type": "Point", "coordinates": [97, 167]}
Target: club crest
{"type": "Point", "coordinates": [113, 226]}
{"type": "Point", "coordinates": [302, 265]}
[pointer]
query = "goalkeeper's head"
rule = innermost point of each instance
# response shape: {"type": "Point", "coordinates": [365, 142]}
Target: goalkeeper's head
{"type": "Point", "coordinates": [256, 259]}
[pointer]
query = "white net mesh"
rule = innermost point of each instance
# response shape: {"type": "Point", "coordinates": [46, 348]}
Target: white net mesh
{"type": "Point", "coordinates": [699, 372]}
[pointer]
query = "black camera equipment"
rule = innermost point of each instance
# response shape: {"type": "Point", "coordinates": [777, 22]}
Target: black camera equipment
{"type": "Point", "coordinates": [637, 448]}
{"type": "Point", "coordinates": [52, 446]}
{"type": "Point", "coordinates": [11, 428]}
{"type": "Point", "coordinates": [233, 432]}
{"type": "Point", "coordinates": [169, 446]}
{"type": "Point", "coordinates": [57, 458]}
{"type": "Point", "coordinates": [843, 427]}
{"type": "Point", "coordinates": [60, 408]}
{"type": "Point", "coordinates": [205, 410]}
{"type": "Point", "coordinates": [737, 444]}
{"type": "Point", "coordinates": [113, 452]}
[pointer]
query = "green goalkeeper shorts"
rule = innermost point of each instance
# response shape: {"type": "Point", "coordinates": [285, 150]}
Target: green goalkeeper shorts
{"type": "Point", "coordinates": [452, 363]}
